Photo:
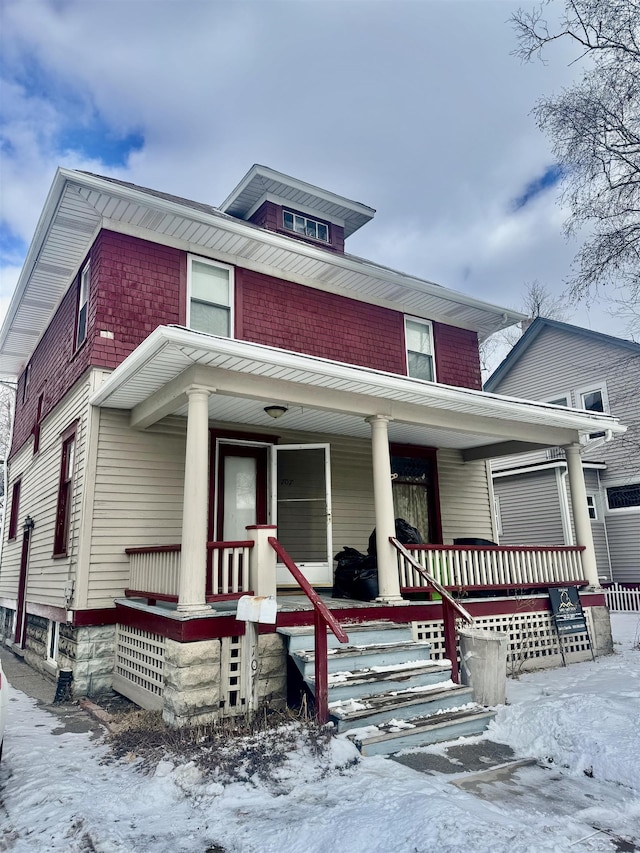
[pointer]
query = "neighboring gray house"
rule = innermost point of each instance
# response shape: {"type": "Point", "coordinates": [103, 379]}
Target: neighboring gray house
{"type": "Point", "coordinates": [565, 365]}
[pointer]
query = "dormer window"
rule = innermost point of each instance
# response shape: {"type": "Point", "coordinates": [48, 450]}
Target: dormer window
{"type": "Point", "coordinates": [305, 226]}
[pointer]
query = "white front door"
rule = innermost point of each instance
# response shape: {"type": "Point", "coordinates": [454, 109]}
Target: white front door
{"type": "Point", "coordinates": [301, 509]}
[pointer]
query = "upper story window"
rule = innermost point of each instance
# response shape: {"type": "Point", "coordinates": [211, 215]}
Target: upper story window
{"type": "Point", "coordinates": [27, 382]}
{"type": "Point", "coordinates": [305, 226]}
{"type": "Point", "coordinates": [83, 301]}
{"type": "Point", "coordinates": [594, 399]}
{"type": "Point", "coordinates": [592, 506]}
{"type": "Point", "coordinates": [210, 304]}
{"type": "Point", "coordinates": [419, 342]}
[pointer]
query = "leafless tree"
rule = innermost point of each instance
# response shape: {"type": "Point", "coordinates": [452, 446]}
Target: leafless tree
{"type": "Point", "coordinates": [537, 301]}
{"type": "Point", "coordinates": [594, 129]}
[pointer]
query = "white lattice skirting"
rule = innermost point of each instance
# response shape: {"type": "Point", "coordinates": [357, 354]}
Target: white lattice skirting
{"type": "Point", "coordinates": [533, 642]}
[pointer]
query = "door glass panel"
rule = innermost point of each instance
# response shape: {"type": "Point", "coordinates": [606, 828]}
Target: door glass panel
{"type": "Point", "coordinates": [240, 482]}
{"type": "Point", "coordinates": [301, 504]}
{"type": "Point", "coordinates": [411, 503]}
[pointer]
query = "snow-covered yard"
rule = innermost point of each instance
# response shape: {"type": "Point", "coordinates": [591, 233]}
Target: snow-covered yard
{"type": "Point", "coordinates": [581, 723]}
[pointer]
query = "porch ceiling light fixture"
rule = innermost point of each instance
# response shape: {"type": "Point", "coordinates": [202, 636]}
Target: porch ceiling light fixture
{"type": "Point", "coordinates": [275, 411]}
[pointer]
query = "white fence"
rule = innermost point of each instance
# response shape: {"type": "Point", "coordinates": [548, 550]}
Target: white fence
{"type": "Point", "coordinates": [463, 567]}
{"type": "Point", "coordinates": [622, 598]}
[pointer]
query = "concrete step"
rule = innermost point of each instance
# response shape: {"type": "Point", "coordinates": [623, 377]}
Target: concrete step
{"type": "Point", "coordinates": [357, 685]}
{"type": "Point", "coordinates": [377, 633]}
{"type": "Point", "coordinates": [437, 728]}
{"type": "Point", "coordinates": [406, 705]}
{"type": "Point", "coordinates": [350, 658]}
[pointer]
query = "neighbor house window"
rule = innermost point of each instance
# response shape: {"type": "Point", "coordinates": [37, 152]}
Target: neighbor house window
{"type": "Point", "coordinates": [210, 297]}
{"type": "Point", "coordinates": [83, 301]}
{"type": "Point", "coordinates": [419, 341]}
{"type": "Point", "coordinates": [592, 507]}
{"type": "Point", "coordinates": [65, 493]}
{"type": "Point", "coordinates": [559, 401]}
{"type": "Point", "coordinates": [15, 509]}
{"type": "Point", "coordinates": [594, 400]}
{"type": "Point", "coordinates": [624, 497]}
{"type": "Point", "coordinates": [305, 226]}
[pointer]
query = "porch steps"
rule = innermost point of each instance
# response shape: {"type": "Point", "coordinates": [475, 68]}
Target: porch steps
{"type": "Point", "coordinates": [385, 692]}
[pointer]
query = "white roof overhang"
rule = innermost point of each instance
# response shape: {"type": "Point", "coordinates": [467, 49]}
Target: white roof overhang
{"type": "Point", "coordinates": [79, 205]}
{"type": "Point", "coordinates": [323, 396]}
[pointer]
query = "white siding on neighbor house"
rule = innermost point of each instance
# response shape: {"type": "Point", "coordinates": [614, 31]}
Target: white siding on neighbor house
{"type": "Point", "coordinates": [530, 509]}
{"type": "Point", "coordinates": [559, 362]}
{"type": "Point", "coordinates": [40, 476]}
{"type": "Point", "coordinates": [465, 498]}
{"type": "Point", "coordinates": [137, 498]}
{"type": "Point", "coordinates": [623, 528]}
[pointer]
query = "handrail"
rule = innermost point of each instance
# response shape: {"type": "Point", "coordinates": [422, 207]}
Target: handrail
{"type": "Point", "coordinates": [434, 583]}
{"type": "Point", "coordinates": [449, 605]}
{"type": "Point", "coordinates": [322, 618]}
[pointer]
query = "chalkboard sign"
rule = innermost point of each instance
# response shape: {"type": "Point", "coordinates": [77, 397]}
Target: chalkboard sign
{"type": "Point", "coordinates": [567, 610]}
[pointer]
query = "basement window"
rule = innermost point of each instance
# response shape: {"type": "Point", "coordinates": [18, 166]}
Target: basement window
{"type": "Point", "coordinates": [305, 226]}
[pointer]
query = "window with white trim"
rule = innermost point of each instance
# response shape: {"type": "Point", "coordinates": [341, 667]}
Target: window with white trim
{"type": "Point", "coordinates": [210, 302]}
{"type": "Point", "coordinates": [83, 301]}
{"type": "Point", "coordinates": [594, 399]}
{"type": "Point", "coordinates": [592, 506]}
{"type": "Point", "coordinates": [623, 497]}
{"type": "Point", "coordinates": [419, 343]}
{"type": "Point", "coordinates": [560, 401]}
{"type": "Point", "coordinates": [498, 514]}
{"type": "Point", "coordinates": [305, 226]}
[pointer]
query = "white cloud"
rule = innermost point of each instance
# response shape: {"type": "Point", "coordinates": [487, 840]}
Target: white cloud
{"type": "Point", "coordinates": [416, 109]}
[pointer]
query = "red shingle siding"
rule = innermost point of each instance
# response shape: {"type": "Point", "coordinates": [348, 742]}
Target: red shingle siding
{"type": "Point", "coordinates": [298, 318]}
{"type": "Point", "coordinates": [54, 368]}
{"type": "Point", "coordinates": [457, 356]}
{"type": "Point", "coordinates": [136, 286]}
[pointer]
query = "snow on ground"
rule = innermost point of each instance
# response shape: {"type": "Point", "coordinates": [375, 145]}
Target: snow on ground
{"type": "Point", "coordinates": [58, 794]}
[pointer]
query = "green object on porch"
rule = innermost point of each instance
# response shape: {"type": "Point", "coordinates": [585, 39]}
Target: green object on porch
{"type": "Point", "coordinates": [442, 576]}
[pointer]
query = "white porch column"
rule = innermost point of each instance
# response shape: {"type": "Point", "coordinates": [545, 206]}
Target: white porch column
{"type": "Point", "coordinates": [388, 579]}
{"type": "Point", "coordinates": [193, 561]}
{"type": "Point", "coordinates": [581, 520]}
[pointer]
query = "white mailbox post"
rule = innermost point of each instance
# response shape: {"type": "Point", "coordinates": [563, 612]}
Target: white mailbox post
{"type": "Point", "coordinates": [253, 609]}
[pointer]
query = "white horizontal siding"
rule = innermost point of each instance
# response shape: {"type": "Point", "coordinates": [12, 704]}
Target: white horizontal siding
{"type": "Point", "coordinates": [40, 475]}
{"type": "Point", "coordinates": [530, 509]}
{"type": "Point", "coordinates": [464, 497]}
{"type": "Point", "coordinates": [623, 530]}
{"type": "Point", "coordinates": [137, 500]}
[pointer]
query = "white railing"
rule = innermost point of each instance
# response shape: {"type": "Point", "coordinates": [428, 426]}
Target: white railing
{"type": "Point", "coordinates": [155, 571]}
{"type": "Point", "coordinates": [229, 567]}
{"type": "Point", "coordinates": [622, 598]}
{"type": "Point", "coordinates": [465, 567]}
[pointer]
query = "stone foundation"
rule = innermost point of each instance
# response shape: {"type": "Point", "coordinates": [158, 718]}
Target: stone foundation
{"type": "Point", "coordinates": [191, 694]}
{"type": "Point", "coordinates": [88, 652]}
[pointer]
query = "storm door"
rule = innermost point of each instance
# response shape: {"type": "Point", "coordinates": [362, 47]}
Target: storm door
{"type": "Point", "coordinates": [301, 509]}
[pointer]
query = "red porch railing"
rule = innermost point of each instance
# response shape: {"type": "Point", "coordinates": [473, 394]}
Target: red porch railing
{"type": "Point", "coordinates": [323, 618]}
{"type": "Point", "coordinates": [449, 607]}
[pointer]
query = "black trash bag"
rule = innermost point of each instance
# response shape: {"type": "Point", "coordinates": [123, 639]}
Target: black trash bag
{"type": "Point", "coordinates": [356, 576]}
{"type": "Point", "coordinates": [405, 534]}
{"type": "Point", "coordinates": [473, 540]}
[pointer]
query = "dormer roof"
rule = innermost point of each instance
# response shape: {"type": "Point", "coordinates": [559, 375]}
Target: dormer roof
{"type": "Point", "coordinates": [262, 184]}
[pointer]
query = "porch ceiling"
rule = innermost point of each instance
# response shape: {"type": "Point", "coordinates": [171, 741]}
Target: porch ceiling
{"type": "Point", "coordinates": [79, 204]}
{"type": "Point", "coordinates": [327, 397]}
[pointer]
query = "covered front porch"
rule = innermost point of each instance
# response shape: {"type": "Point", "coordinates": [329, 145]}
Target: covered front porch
{"type": "Point", "coordinates": [353, 450]}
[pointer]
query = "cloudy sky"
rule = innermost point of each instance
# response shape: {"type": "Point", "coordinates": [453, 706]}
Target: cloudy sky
{"type": "Point", "coordinates": [414, 107]}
